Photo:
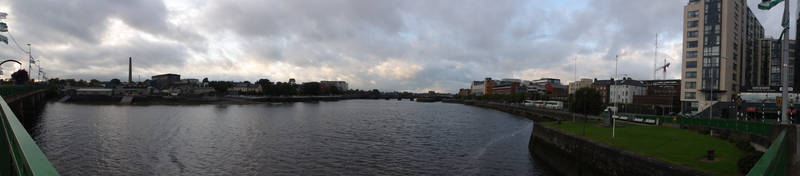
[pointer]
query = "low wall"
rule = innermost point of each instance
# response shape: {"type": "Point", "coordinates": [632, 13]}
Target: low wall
{"type": "Point", "coordinates": [535, 114]}
{"type": "Point", "coordinates": [571, 155]}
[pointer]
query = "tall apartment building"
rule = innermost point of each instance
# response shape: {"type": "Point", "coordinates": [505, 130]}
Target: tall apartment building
{"type": "Point", "coordinates": [771, 58]}
{"type": "Point", "coordinates": [720, 52]}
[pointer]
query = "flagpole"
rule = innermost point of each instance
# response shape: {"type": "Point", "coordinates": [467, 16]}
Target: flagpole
{"type": "Point", "coordinates": [785, 64]}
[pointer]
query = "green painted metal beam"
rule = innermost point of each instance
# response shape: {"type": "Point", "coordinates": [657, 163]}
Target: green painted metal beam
{"type": "Point", "coordinates": [774, 161]}
{"type": "Point", "coordinates": [26, 157]}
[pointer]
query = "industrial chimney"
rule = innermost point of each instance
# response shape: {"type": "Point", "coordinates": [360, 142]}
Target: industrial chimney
{"type": "Point", "coordinates": [130, 70]}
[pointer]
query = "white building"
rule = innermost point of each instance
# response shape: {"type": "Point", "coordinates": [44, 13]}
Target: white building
{"type": "Point", "coordinates": [583, 83]}
{"type": "Point", "coordinates": [624, 90]}
{"type": "Point", "coordinates": [478, 88]}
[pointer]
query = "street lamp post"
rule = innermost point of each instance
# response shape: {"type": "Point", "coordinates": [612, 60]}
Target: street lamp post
{"type": "Point", "coordinates": [785, 23]}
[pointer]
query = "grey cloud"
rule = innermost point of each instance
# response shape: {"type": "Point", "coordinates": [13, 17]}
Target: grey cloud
{"type": "Point", "coordinates": [453, 42]}
{"type": "Point", "coordinates": [491, 37]}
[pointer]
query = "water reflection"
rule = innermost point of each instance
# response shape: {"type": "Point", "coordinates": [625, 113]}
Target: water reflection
{"type": "Point", "coordinates": [355, 137]}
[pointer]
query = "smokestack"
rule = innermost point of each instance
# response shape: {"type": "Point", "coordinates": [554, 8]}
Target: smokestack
{"type": "Point", "coordinates": [130, 70]}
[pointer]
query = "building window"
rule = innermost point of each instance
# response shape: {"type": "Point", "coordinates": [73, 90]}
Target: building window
{"type": "Point", "coordinates": [694, 13]}
{"type": "Point", "coordinates": [692, 34]}
{"type": "Point", "coordinates": [690, 95]}
{"type": "Point", "coordinates": [691, 54]}
{"type": "Point", "coordinates": [692, 24]}
{"type": "Point", "coordinates": [691, 85]}
{"type": "Point", "coordinates": [691, 74]}
{"type": "Point", "coordinates": [691, 64]}
{"type": "Point", "coordinates": [691, 44]}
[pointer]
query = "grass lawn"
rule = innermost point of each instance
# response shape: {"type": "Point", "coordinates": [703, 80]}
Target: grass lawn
{"type": "Point", "coordinates": [673, 145]}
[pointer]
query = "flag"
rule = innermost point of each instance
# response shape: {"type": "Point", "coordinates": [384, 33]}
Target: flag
{"type": "Point", "coordinates": [4, 39]}
{"type": "Point", "coordinates": [3, 27]}
{"type": "Point", "coordinates": [768, 4]}
{"type": "Point", "coordinates": [3, 15]}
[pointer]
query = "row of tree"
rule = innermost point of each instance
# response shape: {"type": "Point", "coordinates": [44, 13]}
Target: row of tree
{"type": "Point", "coordinates": [281, 88]}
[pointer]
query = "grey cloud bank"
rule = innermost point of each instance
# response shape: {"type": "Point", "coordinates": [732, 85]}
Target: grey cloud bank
{"type": "Point", "coordinates": [388, 45]}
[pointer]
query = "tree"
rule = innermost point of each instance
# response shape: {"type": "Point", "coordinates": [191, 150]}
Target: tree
{"type": "Point", "coordinates": [220, 87]}
{"type": "Point", "coordinates": [310, 88]}
{"type": "Point", "coordinates": [267, 87]}
{"type": "Point", "coordinates": [20, 77]}
{"type": "Point", "coordinates": [94, 82]}
{"type": "Point", "coordinates": [586, 101]}
{"type": "Point", "coordinates": [114, 82]}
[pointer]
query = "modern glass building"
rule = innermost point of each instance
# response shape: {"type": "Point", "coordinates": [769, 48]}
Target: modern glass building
{"type": "Point", "coordinates": [725, 53]}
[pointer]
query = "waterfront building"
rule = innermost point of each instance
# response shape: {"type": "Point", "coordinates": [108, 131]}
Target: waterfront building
{"type": "Point", "coordinates": [603, 87]}
{"type": "Point", "coordinates": [664, 94]}
{"type": "Point", "coordinates": [583, 83]}
{"type": "Point", "coordinates": [132, 90]}
{"type": "Point", "coordinates": [482, 87]}
{"type": "Point", "coordinates": [245, 87]}
{"type": "Point", "coordinates": [720, 51]}
{"type": "Point", "coordinates": [164, 81]}
{"type": "Point", "coordinates": [547, 86]}
{"type": "Point", "coordinates": [463, 92]}
{"type": "Point", "coordinates": [772, 61]}
{"type": "Point", "coordinates": [624, 90]}
{"type": "Point", "coordinates": [94, 92]}
{"type": "Point", "coordinates": [507, 87]}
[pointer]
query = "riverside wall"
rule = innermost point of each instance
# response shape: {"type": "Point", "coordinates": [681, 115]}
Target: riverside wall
{"type": "Point", "coordinates": [571, 155]}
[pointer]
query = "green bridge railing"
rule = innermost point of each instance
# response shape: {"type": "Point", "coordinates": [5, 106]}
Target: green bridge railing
{"type": "Point", "coordinates": [19, 154]}
{"type": "Point", "coordinates": [753, 127]}
{"type": "Point", "coordinates": [7, 90]}
{"type": "Point", "coordinates": [774, 161]}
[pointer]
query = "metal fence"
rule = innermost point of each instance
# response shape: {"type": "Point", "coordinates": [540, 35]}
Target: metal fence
{"type": "Point", "coordinates": [761, 128]}
{"type": "Point", "coordinates": [774, 161]}
{"type": "Point", "coordinates": [20, 154]}
{"type": "Point", "coordinates": [6, 91]}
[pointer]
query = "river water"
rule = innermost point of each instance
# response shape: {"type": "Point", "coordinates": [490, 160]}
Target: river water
{"type": "Point", "coordinates": [352, 137]}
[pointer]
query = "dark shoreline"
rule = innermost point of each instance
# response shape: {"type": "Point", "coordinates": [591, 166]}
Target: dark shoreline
{"type": "Point", "coordinates": [205, 100]}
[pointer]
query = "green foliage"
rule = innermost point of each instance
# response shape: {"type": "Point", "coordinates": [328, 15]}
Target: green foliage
{"type": "Point", "coordinates": [20, 77]}
{"type": "Point", "coordinates": [586, 101]}
{"type": "Point", "coordinates": [750, 157]}
{"type": "Point", "coordinates": [114, 82]}
{"type": "Point", "coordinates": [221, 87]}
{"type": "Point", "coordinates": [673, 145]}
{"type": "Point", "coordinates": [310, 88]}
{"type": "Point", "coordinates": [748, 161]}
{"type": "Point", "coordinates": [278, 88]}
{"type": "Point", "coordinates": [331, 90]}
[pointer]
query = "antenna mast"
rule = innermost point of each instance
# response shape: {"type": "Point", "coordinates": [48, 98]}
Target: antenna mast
{"type": "Point", "coordinates": [655, 58]}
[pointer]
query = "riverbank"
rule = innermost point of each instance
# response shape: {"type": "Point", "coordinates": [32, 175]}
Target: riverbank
{"type": "Point", "coordinates": [203, 100]}
{"type": "Point", "coordinates": [571, 154]}
{"type": "Point", "coordinates": [166, 100]}
{"type": "Point", "coordinates": [668, 145]}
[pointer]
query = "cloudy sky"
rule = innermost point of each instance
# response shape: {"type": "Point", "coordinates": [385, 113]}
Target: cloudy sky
{"type": "Point", "coordinates": [401, 45]}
